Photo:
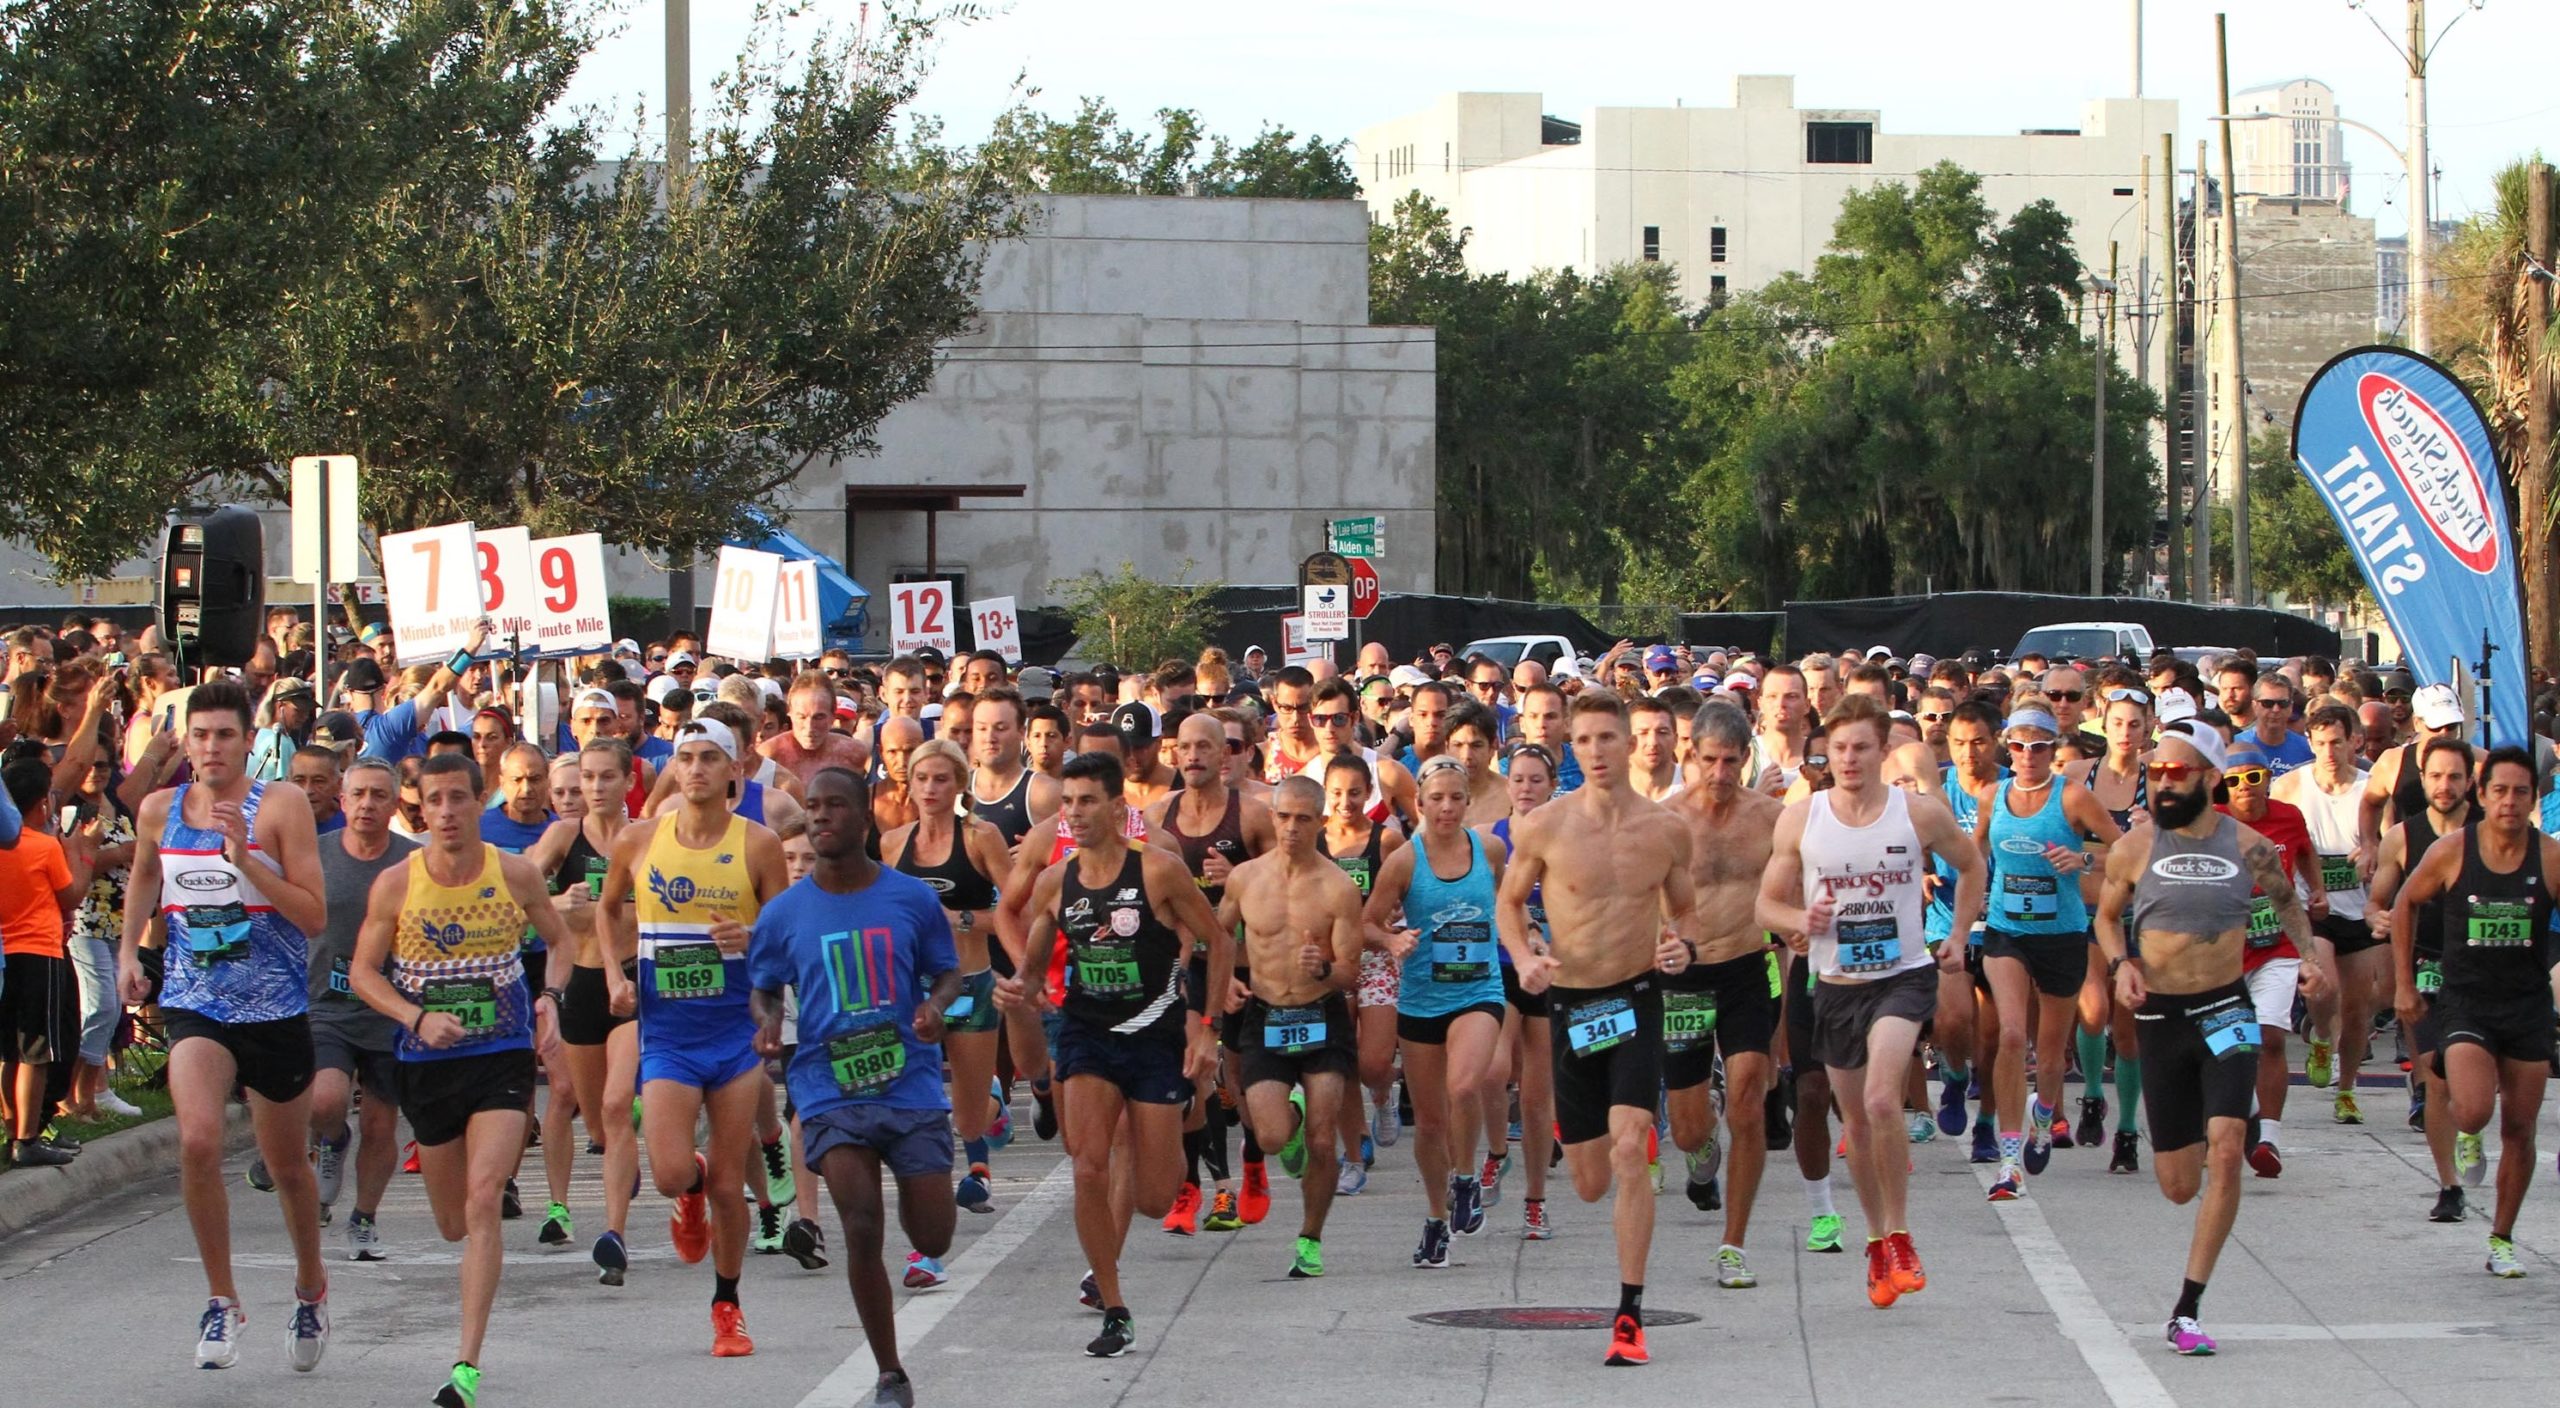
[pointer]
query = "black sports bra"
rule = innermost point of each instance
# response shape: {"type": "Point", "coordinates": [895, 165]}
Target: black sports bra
{"type": "Point", "coordinates": [956, 879]}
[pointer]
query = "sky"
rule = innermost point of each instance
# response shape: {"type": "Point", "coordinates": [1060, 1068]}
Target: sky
{"type": "Point", "coordinates": [1954, 67]}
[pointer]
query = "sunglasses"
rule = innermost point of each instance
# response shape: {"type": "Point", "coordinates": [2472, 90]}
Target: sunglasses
{"type": "Point", "coordinates": [2066, 696]}
{"type": "Point", "coordinates": [2129, 696]}
{"type": "Point", "coordinates": [1817, 760]}
{"type": "Point", "coordinates": [2246, 777]}
{"type": "Point", "coordinates": [2031, 749]}
{"type": "Point", "coordinates": [2174, 772]}
{"type": "Point", "coordinates": [1328, 720]}
{"type": "Point", "coordinates": [1235, 745]}
{"type": "Point", "coordinates": [1936, 718]}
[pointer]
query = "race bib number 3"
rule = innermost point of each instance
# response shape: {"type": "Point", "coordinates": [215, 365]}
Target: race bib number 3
{"type": "Point", "coordinates": [1290, 1031]}
{"type": "Point", "coordinates": [687, 971]}
{"type": "Point", "coordinates": [471, 1001]}
{"type": "Point", "coordinates": [1461, 953]}
{"type": "Point", "coordinates": [1595, 1026]}
{"type": "Point", "coordinates": [868, 1061]}
{"type": "Point", "coordinates": [1869, 946]}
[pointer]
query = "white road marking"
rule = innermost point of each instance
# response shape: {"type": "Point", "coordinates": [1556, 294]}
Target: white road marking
{"type": "Point", "coordinates": [853, 1380]}
{"type": "Point", "coordinates": [2103, 1346]}
{"type": "Point", "coordinates": [2438, 1330]}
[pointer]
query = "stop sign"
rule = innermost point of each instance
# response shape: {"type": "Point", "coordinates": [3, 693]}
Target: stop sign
{"type": "Point", "coordinates": [1364, 589]}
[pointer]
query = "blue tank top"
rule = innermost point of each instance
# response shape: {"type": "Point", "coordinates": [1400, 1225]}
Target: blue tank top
{"type": "Point", "coordinates": [230, 956]}
{"type": "Point", "coordinates": [2027, 897]}
{"type": "Point", "coordinates": [1453, 967]}
{"type": "Point", "coordinates": [1537, 896]}
{"type": "Point", "coordinates": [751, 801]}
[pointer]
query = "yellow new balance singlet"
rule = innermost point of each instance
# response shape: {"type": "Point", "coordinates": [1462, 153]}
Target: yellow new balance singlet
{"type": "Point", "coordinates": [456, 950]}
{"type": "Point", "coordinates": [694, 1022]}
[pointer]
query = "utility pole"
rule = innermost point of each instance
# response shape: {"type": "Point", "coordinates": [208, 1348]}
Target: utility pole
{"type": "Point", "coordinates": [2235, 389]}
{"type": "Point", "coordinates": [2421, 200]}
{"type": "Point", "coordinates": [2137, 48]}
{"type": "Point", "coordinates": [2104, 351]}
{"type": "Point", "coordinates": [2534, 539]}
{"type": "Point", "coordinates": [2169, 306]}
{"type": "Point", "coordinates": [679, 168]}
{"type": "Point", "coordinates": [2200, 453]}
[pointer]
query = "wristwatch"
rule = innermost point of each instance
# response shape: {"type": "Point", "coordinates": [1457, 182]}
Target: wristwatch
{"type": "Point", "coordinates": [2113, 964]}
{"type": "Point", "coordinates": [557, 996]}
{"type": "Point", "coordinates": [1326, 971]}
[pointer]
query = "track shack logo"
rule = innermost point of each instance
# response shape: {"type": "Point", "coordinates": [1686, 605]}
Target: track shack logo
{"type": "Point", "coordinates": [2434, 466]}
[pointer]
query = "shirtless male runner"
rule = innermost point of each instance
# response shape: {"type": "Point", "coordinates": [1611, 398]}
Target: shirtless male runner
{"type": "Point", "coordinates": [1297, 1047]}
{"type": "Point", "coordinates": [813, 743]}
{"type": "Point", "coordinates": [1726, 1001]}
{"type": "Point", "coordinates": [1614, 871]}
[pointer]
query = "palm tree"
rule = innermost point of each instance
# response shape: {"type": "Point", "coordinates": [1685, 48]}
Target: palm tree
{"type": "Point", "coordinates": [2495, 330]}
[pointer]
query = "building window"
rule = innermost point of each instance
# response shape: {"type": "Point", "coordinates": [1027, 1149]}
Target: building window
{"type": "Point", "coordinates": [1715, 244]}
{"type": "Point", "coordinates": [1652, 244]}
{"type": "Point", "coordinates": [1839, 143]}
{"type": "Point", "coordinates": [1715, 290]}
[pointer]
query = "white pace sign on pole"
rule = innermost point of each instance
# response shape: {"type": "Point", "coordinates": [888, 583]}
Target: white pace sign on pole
{"type": "Point", "coordinates": [505, 559]}
{"type": "Point", "coordinates": [432, 580]}
{"type": "Point", "coordinates": [341, 484]}
{"type": "Point", "coordinates": [920, 615]}
{"type": "Point", "coordinates": [795, 613]}
{"type": "Point", "coordinates": [1327, 609]}
{"type": "Point", "coordinates": [742, 604]}
{"type": "Point", "coordinates": [569, 611]}
{"type": "Point", "coordinates": [997, 627]}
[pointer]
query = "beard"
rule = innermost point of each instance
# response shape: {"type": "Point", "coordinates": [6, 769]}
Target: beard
{"type": "Point", "coordinates": [2176, 809]}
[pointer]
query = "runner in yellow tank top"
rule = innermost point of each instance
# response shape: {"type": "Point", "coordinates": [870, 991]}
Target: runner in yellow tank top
{"type": "Point", "coordinates": [696, 877]}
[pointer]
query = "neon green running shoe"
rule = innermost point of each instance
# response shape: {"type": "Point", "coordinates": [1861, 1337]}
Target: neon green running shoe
{"type": "Point", "coordinates": [460, 1391]}
{"type": "Point", "coordinates": [1823, 1235]}
{"type": "Point", "coordinates": [1308, 1263]}
{"type": "Point", "coordinates": [1293, 1155]}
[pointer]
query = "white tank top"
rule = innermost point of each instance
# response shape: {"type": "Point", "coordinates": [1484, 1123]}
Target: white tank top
{"type": "Point", "coordinates": [1877, 882]}
{"type": "Point", "coordinates": [2332, 824]}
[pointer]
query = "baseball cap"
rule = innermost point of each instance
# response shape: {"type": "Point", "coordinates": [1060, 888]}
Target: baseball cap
{"type": "Point", "coordinates": [1136, 723]}
{"type": "Point", "coordinates": [659, 687]}
{"type": "Point", "coordinates": [1879, 652]}
{"type": "Point", "coordinates": [1036, 682]}
{"type": "Point", "coordinates": [1251, 651]}
{"type": "Point", "coordinates": [362, 675]}
{"type": "Point", "coordinates": [2399, 681]}
{"type": "Point", "coordinates": [1660, 657]}
{"type": "Point", "coordinates": [1408, 676]}
{"type": "Point", "coordinates": [291, 687]}
{"type": "Point", "coordinates": [2174, 705]}
{"type": "Point", "coordinates": [2436, 707]}
{"type": "Point", "coordinates": [707, 730]}
{"type": "Point", "coordinates": [372, 631]}
{"type": "Point", "coordinates": [681, 657]}
{"type": "Point", "coordinates": [1704, 680]}
{"type": "Point", "coordinates": [847, 709]}
{"type": "Point", "coordinates": [594, 699]}
{"type": "Point", "coordinates": [626, 646]}
{"type": "Point", "coordinates": [1738, 683]}
{"type": "Point", "coordinates": [931, 655]}
{"type": "Point", "coordinates": [338, 726]}
{"type": "Point", "coordinates": [2203, 738]}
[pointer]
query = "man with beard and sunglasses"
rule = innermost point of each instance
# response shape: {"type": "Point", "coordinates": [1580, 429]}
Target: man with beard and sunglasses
{"type": "Point", "coordinates": [2190, 878]}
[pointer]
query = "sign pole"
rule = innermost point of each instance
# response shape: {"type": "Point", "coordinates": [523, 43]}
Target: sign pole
{"type": "Point", "coordinates": [320, 601]}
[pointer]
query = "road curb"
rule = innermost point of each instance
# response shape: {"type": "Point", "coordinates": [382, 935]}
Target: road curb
{"type": "Point", "coordinates": [30, 1196]}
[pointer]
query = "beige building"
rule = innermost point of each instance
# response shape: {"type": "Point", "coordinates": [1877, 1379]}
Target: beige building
{"type": "Point", "coordinates": [2306, 294]}
{"type": "Point", "coordinates": [2301, 157]}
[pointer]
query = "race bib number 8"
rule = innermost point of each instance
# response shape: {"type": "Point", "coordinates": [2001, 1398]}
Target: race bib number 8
{"type": "Point", "coordinates": [687, 971]}
{"type": "Point", "coordinates": [2231, 1031]}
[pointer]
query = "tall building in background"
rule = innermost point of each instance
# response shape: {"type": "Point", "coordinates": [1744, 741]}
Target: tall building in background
{"type": "Point", "coordinates": [2300, 157]}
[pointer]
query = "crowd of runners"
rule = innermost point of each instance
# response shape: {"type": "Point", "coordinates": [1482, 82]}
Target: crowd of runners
{"type": "Point", "coordinates": [1662, 909]}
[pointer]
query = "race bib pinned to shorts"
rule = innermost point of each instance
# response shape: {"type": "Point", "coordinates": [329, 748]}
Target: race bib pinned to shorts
{"type": "Point", "coordinates": [687, 971]}
{"type": "Point", "coordinates": [2264, 927]}
{"type": "Point", "coordinates": [2230, 1031]}
{"type": "Point", "coordinates": [1595, 1025]}
{"type": "Point", "coordinates": [2430, 976]}
{"type": "Point", "coordinates": [1688, 1019]}
{"type": "Point", "coordinates": [868, 1061]}
{"type": "Point", "coordinates": [1292, 1031]}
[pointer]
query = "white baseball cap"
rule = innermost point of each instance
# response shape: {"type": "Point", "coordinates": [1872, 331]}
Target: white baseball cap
{"type": "Point", "coordinates": [2175, 704]}
{"type": "Point", "coordinates": [2204, 738]}
{"type": "Point", "coordinates": [595, 699]}
{"type": "Point", "coordinates": [2435, 706]}
{"type": "Point", "coordinates": [710, 731]}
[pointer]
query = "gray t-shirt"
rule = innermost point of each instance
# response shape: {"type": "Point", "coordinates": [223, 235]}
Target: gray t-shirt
{"type": "Point", "coordinates": [346, 881]}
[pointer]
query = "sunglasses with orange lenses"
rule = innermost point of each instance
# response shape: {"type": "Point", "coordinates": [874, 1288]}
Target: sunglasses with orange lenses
{"type": "Point", "coordinates": [2174, 772]}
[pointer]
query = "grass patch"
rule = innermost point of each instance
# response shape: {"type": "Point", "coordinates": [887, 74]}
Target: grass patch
{"type": "Point", "coordinates": [151, 1099]}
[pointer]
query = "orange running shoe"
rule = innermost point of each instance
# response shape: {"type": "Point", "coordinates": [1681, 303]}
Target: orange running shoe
{"type": "Point", "coordinates": [729, 1331]}
{"type": "Point", "coordinates": [1184, 1220]}
{"type": "Point", "coordinates": [1881, 1292]}
{"type": "Point", "coordinates": [1908, 1278]}
{"type": "Point", "coordinates": [1256, 1202]}
{"type": "Point", "coordinates": [689, 1226]}
{"type": "Point", "coordinates": [1626, 1344]}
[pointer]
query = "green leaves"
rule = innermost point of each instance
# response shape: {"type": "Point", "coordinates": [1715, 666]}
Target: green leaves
{"type": "Point", "coordinates": [1138, 622]}
{"type": "Point", "coordinates": [1092, 153]}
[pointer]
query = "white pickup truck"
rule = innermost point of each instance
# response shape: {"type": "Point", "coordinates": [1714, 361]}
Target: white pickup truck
{"type": "Point", "coordinates": [1509, 651]}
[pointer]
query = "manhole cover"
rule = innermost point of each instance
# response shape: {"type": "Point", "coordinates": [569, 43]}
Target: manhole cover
{"type": "Point", "coordinates": [1546, 1317]}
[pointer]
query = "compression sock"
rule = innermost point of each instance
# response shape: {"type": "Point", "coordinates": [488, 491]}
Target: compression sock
{"type": "Point", "coordinates": [1631, 1301]}
{"type": "Point", "coordinates": [1252, 1146]}
{"type": "Point", "coordinates": [2012, 1144]}
{"type": "Point", "coordinates": [1213, 1144]}
{"type": "Point", "coordinates": [2190, 1296]}
{"type": "Point", "coordinates": [976, 1149]}
{"type": "Point", "coordinates": [2093, 1060]}
{"type": "Point", "coordinates": [1191, 1141]}
{"type": "Point", "coordinates": [724, 1288]}
{"type": "Point", "coordinates": [2128, 1089]}
{"type": "Point", "coordinates": [1817, 1197]}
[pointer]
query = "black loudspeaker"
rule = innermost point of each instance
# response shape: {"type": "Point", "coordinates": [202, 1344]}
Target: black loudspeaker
{"type": "Point", "coordinates": [213, 587]}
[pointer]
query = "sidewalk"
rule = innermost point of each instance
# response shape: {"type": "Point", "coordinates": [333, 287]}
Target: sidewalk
{"type": "Point", "coordinates": [30, 1196]}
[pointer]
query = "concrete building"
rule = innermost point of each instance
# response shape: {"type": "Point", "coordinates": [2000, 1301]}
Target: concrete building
{"type": "Point", "coordinates": [1734, 196]}
{"type": "Point", "coordinates": [2306, 293]}
{"type": "Point", "coordinates": [2301, 157]}
{"type": "Point", "coordinates": [1152, 380]}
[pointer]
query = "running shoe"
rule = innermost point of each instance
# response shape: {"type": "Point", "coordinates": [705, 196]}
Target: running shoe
{"type": "Point", "coordinates": [1433, 1254]}
{"type": "Point", "coordinates": [1222, 1214]}
{"type": "Point", "coordinates": [1881, 1291]}
{"type": "Point", "coordinates": [893, 1391]}
{"type": "Point", "coordinates": [364, 1239]}
{"type": "Point", "coordinates": [1908, 1276]}
{"type": "Point", "coordinates": [1000, 1129]}
{"type": "Point", "coordinates": [1626, 1344]}
{"type": "Point", "coordinates": [611, 1258]}
{"type": "Point", "coordinates": [1253, 1202]}
{"type": "Point", "coordinates": [2469, 1164]}
{"type": "Point", "coordinates": [779, 1188]}
{"type": "Point", "coordinates": [1922, 1128]}
{"type": "Point", "coordinates": [805, 1242]}
{"type": "Point", "coordinates": [1732, 1272]}
{"type": "Point", "coordinates": [329, 1165]}
{"type": "Point", "coordinates": [1350, 1180]}
{"type": "Point", "coordinates": [409, 1159]}
{"type": "Point", "coordinates": [308, 1335]}
{"type": "Point", "coordinates": [2188, 1338]}
{"type": "Point", "coordinates": [1368, 1152]}
{"type": "Point", "coordinates": [2062, 1137]}
{"type": "Point", "coordinates": [1044, 1110]}
{"type": "Point", "coordinates": [1307, 1262]}
{"type": "Point", "coordinates": [1184, 1220]}
{"type": "Point", "coordinates": [2093, 1122]}
{"type": "Point", "coordinates": [925, 1273]}
{"type": "Point", "coordinates": [1986, 1145]}
{"type": "Point", "coordinates": [2039, 1136]}
{"type": "Point", "coordinates": [766, 1240]}
{"type": "Point", "coordinates": [1707, 1196]}
{"type": "Point", "coordinates": [2502, 1259]}
{"type": "Point", "coordinates": [1466, 1206]}
{"type": "Point", "coordinates": [113, 1104]}
{"type": "Point", "coordinates": [2265, 1161]}
{"type": "Point", "coordinates": [2008, 1185]}
{"type": "Point", "coordinates": [1119, 1331]}
{"type": "Point", "coordinates": [2344, 1110]}
{"type": "Point", "coordinates": [1534, 1226]}
{"type": "Point", "coordinates": [1823, 1233]}
{"type": "Point", "coordinates": [729, 1331]}
{"type": "Point", "coordinates": [2128, 1155]}
{"type": "Point", "coordinates": [1951, 1105]}
{"type": "Point", "coordinates": [2448, 1206]}
{"type": "Point", "coordinates": [1489, 1178]}
{"type": "Point", "coordinates": [1293, 1155]}
{"type": "Point", "coordinates": [511, 1202]}
{"type": "Point", "coordinates": [1089, 1292]}
{"type": "Point", "coordinates": [689, 1226]}
{"type": "Point", "coordinates": [557, 1226]}
{"type": "Point", "coordinates": [218, 1334]}
{"type": "Point", "coordinates": [2316, 1067]}
{"type": "Point", "coordinates": [461, 1390]}
{"type": "Point", "coordinates": [973, 1193]}
{"type": "Point", "coordinates": [2417, 1105]}
{"type": "Point", "coordinates": [258, 1177]}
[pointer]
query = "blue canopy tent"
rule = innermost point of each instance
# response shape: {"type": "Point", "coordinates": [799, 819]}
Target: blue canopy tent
{"type": "Point", "coordinates": [844, 607]}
